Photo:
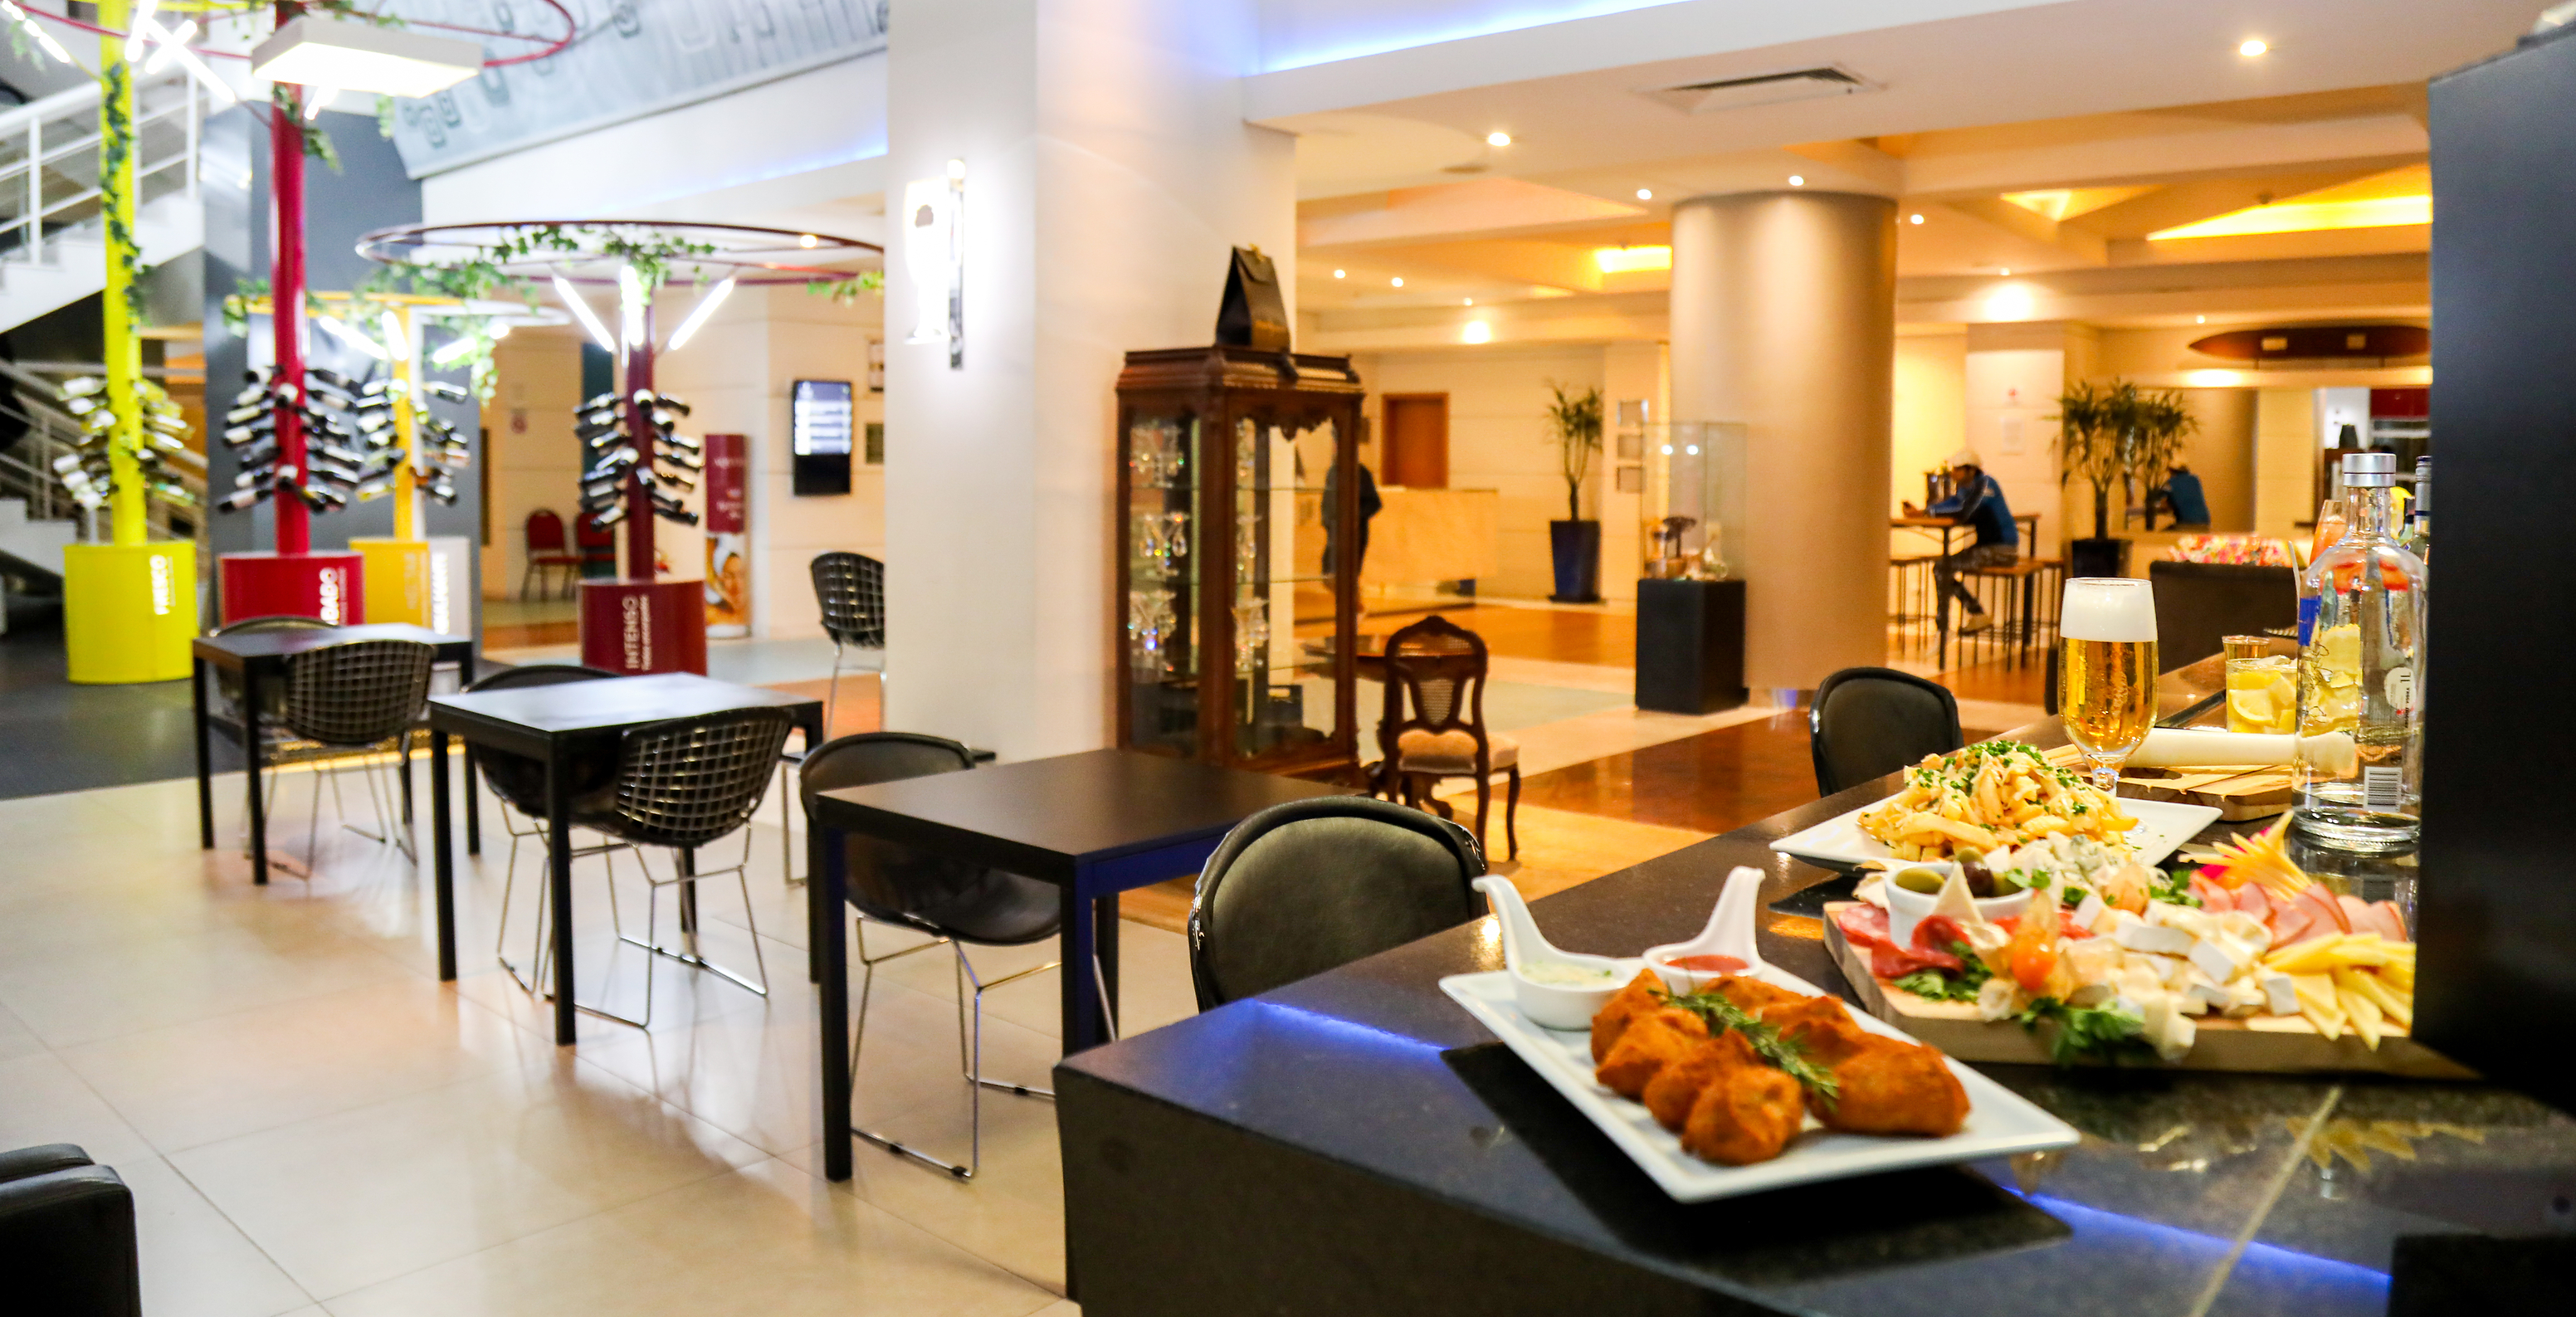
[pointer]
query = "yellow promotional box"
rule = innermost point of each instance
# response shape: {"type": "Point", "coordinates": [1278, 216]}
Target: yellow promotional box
{"type": "Point", "coordinates": [396, 579]}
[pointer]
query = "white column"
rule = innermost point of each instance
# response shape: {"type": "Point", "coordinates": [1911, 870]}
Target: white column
{"type": "Point", "coordinates": [1784, 319]}
{"type": "Point", "coordinates": [1108, 171]}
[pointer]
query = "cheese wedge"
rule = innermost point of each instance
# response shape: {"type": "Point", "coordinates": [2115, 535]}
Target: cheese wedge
{"type": "Point", "coordinates": [2157, 938]}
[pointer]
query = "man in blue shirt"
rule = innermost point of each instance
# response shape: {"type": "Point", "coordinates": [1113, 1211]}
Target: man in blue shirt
{"type": "Point", "coordinates": [1975, 500]}
{"type": "Point", "coordinates": [2184, 499]}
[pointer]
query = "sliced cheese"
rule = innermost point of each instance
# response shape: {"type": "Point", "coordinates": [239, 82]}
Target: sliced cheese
{"type": "Point", "coordinates": [2245, 997]}
{"type": "Point", "coordinates": [2113, 923]}
{"type": "Point", "coordinates": [2166, 1028]}
{"type": "Point", "coordinates": [2246, 928]}
{"type": "Point", "coordinates": [1999, 999]}
{"type": "Point", "coordinates": [2202, 994]}
{"type": "Point", "coordinates": [2191, 922]}
{"type": "Point", "coordinates": [2280, 993]}
{"type": "Point", "coordinates": [1955, 902]}
{"type": "Point", "coordinates": [2093, 960]}
{"type": "Point", "coordinates": [2087, 911]}
{"type": "Point", "coordinates": [2156, 938]}
{"type": "Point", "coordinates": [2221, 957]}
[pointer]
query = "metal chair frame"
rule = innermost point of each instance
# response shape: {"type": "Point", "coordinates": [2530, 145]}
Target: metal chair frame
{"type": "Point", "coordinates": [850, 589]}
{"type": "Point", "coordinates": [681, 784]}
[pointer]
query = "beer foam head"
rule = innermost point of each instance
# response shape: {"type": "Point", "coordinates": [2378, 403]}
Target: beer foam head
{"type": "Point", "coordinates": [2108, 608]}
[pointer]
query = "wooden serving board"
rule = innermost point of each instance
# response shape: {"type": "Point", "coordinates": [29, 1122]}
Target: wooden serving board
{"type": "Point", "coordinates": [2238, 792]}
{"type": "Point", "coordinates": [2263, 1043]}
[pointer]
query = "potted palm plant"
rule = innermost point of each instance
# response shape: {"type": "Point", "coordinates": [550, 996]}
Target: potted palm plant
{"type": "Point", "coordinates": [2119, 434]}
{"type": "Point", "coordinates": [1574, 425]}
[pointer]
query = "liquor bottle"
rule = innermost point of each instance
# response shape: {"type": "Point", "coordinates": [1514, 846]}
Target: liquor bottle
{"type": "Point", "coordinates": [2360, 606]}
{"type": "Point", "coordinates": [2419, 514]}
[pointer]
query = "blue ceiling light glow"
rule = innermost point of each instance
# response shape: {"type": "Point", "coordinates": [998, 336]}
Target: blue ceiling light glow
{"type": "Point", "coordinates": [1376, 34]}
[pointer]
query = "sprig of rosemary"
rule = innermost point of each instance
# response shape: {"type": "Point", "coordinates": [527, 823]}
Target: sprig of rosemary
{"type": "Point", "coordinates": [1791, 1059]}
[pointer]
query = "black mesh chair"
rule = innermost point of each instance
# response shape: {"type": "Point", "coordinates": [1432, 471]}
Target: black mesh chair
{"type": "Point", "coordinates": [67, 1242]}
{"type": "Point", "coordinates": [1312, 885]}
{"type": "Point", "coordinates": [1870, 722]}
{"type": "Point", "coordinates": [225, 709]}
{"type": "Point", "coordinates": [683, 784]}
{"type": "Point", "coordinates": [354, 705]}
{"type": "Point", "coordinates": [954, 903]}
{"type": "Point", "coordinates": [520, 783]}
{"type": "Point", "coordinates": [850, 589]}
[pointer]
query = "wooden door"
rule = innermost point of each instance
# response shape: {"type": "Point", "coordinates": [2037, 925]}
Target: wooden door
{"type": "Point", "coordinates": [1416, 454]}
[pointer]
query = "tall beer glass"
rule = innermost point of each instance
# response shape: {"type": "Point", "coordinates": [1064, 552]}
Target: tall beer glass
{"type": "Point", "coordinates": [2106, 670]}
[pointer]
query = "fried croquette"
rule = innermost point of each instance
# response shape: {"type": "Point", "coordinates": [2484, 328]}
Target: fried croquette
{"type": "Point", "coordinates": [1646, 1047]}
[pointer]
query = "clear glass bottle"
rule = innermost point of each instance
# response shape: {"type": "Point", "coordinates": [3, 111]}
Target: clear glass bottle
{"type": "Point", "coordinates": [2360, 628]}
{"type": "Point", "coordinates": [2418, 538]}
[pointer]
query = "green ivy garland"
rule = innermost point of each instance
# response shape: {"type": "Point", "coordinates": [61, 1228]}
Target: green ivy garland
{"type": "Point", "coordinates": [115, 163]}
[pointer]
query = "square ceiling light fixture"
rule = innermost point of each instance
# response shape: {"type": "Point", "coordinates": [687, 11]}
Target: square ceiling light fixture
{"type": "Point", "coordinates": [324, 52]}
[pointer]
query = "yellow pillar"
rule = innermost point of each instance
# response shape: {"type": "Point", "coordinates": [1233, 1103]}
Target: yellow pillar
{"type": "Point", "coordinates": [129, 610]}
{"type": "Point", "coordinates": [124, 349]}
{"type": "Point", "coordinates": [406, 428]}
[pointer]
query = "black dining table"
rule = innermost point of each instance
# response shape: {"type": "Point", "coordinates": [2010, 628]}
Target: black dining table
{"type": "Point", "coordinates": [557, 726]}
{"type": "Point", "coordinates": [1094, 824]}
{"type": "Point", "coordinates": [260, 658]}
{"type": "Point", "coordinates": [1356, 1142]}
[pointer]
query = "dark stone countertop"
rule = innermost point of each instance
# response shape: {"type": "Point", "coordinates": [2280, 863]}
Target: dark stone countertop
{"type": "Point", "coordinates": [2192, 1193]}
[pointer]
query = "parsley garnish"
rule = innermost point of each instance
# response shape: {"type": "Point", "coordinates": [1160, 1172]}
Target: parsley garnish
{"type": "Point", "coordinates": [1721, 1015]}
{"type": "Point", "coordinates": [2098, 1032]}
{"type": "Point", "coordinates": [2172, 888]}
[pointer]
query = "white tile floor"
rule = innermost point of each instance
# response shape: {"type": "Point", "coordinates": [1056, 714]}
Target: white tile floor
{"type": "Point", "coordinates": [313, 1124]}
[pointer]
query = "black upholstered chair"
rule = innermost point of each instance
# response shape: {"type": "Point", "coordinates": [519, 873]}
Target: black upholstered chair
{"type": "Point", "coordinates": [1311, 885]}
{"type": "Point", "coordinates": [956, 904]}
{"type": "Point", "coordinates": [682, 784]}
{"type": "Point", "coordinates": [66, 1236]}
{"type": "Point", "coordinates": [520, 782]}
{"type": "Point", "coordinates": [1870, 722]}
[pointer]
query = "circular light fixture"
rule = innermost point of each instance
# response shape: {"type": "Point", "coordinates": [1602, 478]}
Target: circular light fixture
{"type": "Point", "coordinates": [2007, 271]}
{"type": "Point", "coordinates": [1797, 180]}
{"type": "Point", "coordinates": [2254, 46]}
{"type": "Point", "coordinates": [1498, 139]}
{"type": "Point", "coordinates": [1396, 282]}
{"type": "Point", "coordinates": [806, 240]}
{"type": "Point", "coordinates": [2200, 320]}
{"type": "Point", "coordinates": [1339, 273]}
{"type": "Point", "coordinates": [1914, 219]}
{"type": "Point", "coordinates": [1691, 450]}
{"type": "Point", "coordinates": [1477, 331]}
{"type": "Point", "coordinates": [1668, 450]}
{"type": "Point", "coordinates": [1469, 301]}
{"type": "Point", "coordinates": [1645, 194]}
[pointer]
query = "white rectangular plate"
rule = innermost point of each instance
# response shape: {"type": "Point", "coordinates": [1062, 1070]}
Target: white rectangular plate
{"type": "Point", "coordinates": [2000, 1121]}
{"type": "Point", "coordinates": [1838, 842]}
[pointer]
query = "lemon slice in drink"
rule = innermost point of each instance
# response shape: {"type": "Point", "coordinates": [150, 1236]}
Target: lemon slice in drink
{"type": "Point", "coordinates": [2250, 708]}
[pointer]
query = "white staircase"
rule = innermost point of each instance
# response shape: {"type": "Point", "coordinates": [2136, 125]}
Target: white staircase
{"type": "Point", "coordinates": [53, 247]}
{"type": "Point", "coordinates": [33, 548]}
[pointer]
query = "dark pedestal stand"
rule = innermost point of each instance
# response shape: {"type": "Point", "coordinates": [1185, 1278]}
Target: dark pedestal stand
{"type": "Point", "coordinates": [1690, 646]}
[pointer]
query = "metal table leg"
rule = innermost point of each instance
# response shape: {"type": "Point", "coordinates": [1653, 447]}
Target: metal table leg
{"type": "Point", "coordinates": [443, 865]}
{"type": "Point", "coordinates": [252, 750]}
{"type": "Point", "coordinates": [823, 898]}
{"type": "Point", "coordinates": [559, 885]}
{"type": "Point", "coordinates": [205, 770]}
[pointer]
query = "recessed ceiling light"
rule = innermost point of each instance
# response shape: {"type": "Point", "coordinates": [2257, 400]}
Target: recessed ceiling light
{"type": "Point", "coordinates": [2200, 320]}
{"type": "Point", "coordinates": [1339, 273]}
{"type": "Point", "coordinates": [1914, 219]}
{"type": "Point", "coordinates": [1498, 139]}
{"type": "Point", "coordinates": [1797, 180]}
{"type": "Point", "coordinates": [2007, 271]}
{"type": "Point", "coordinates": [1477, 331]}
{"type": "Point", "coordinates": [807, 240]}
{"type": "Point", "coordinates": [1397, 282]}
{"type": "Point", "coordinates": [2253, 46]}
{"type": "Point", "coordinates": [1469, 301]}
{"type": "Point", "coordinates": [1645, 194]}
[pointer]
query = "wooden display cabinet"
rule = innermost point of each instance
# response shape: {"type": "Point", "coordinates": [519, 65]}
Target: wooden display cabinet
{"type": "Point", "coordinates": [1237, 486]}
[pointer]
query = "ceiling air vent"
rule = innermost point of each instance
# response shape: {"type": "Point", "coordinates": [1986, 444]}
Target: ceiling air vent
{"type": "Point", "coordinates": [1761, 89]}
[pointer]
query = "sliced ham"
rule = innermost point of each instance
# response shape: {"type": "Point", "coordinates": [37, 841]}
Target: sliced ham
{"type": "Point", "coordinates": [2214, 898]}
{"type": "Point", "coordinates": [2328, 913]}
{"type": "Point", "coordinates": [2381, 917]}
{"type": "Point", "coordinates": [2255, 901]}
{"type": "Point", "coordinates": [1863, 925]}
{"type": "Point", "coordinates": [1889, 962]}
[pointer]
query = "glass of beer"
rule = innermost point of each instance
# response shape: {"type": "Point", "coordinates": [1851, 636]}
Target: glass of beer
{"type": "Point", "coordinates": [2106, 670]}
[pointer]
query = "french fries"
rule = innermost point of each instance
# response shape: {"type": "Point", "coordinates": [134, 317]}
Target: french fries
{"type": "Point", "coordinates": [2357, 981]}
{"type": "Point", "coordinates": [1988, 796]}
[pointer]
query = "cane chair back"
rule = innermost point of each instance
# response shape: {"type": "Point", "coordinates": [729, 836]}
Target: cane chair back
{"type": "Point", "coordinates": [359, 693]}
{"type": "Point", "coordinates": [688, 781]}
{"type": "Point", "coordinates": [851, 589]}
{"type": "Point", "coordinates": [1437, 668]}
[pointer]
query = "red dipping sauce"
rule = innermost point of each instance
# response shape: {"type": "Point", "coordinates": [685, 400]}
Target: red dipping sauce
{"type": "Point", "coordinates": [1706, 964]}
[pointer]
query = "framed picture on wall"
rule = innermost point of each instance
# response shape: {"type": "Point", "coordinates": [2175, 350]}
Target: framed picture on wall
{"type": "Point", "coordinates": [1632, 479]}
{"type": "Point", "coordinates": [876, 365]}
{"type": "Point", "coordinates": [876, 443]}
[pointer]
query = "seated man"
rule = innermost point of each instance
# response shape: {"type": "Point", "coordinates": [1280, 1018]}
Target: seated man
{"type": "Point", "coordinates": [2184, 499]}
{"type": "Point", "coordinates": [1975, 500]}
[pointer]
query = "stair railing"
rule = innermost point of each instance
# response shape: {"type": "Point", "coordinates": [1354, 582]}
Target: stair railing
{"type": "Point", "coordinates": [49, 159]}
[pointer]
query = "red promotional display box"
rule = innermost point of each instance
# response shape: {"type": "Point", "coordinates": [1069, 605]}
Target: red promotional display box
{"type": "Point", "coordinates": [630, 627]}
{"type": "Point", "coordinates": [328, 586]}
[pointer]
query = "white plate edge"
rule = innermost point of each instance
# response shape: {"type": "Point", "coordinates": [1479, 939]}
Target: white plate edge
{"type": "Point", "coordinates": [1793, 848]}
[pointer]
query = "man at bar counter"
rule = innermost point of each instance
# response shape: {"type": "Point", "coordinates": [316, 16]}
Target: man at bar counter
{"type": "Point", "coordinates": [1975, 500]}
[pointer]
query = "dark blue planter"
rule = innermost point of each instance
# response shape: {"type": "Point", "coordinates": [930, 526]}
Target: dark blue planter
{"type": "Point", "coordinates": [1577, 548]}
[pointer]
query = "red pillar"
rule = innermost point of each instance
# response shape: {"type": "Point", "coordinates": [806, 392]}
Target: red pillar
{"type": "Point", "coordinates": [639, 428]}
{"type": "Point", "coordinates": [286, 298]}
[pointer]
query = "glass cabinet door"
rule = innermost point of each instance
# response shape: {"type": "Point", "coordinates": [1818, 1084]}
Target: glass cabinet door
{"type": "Point", "coordinates": [1162, 530]}
{"type": "Point", "coordinates": [1285, 610]}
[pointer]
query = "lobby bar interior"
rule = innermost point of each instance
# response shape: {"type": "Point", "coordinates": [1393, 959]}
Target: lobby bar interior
{"type": "Point", "coordinates": [1018, 659]}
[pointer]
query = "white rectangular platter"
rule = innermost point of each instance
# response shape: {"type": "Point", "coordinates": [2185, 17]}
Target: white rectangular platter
{"type": "Point", "coordinates": [1838, 842]}
{"type": "Point", "coordinates": [2000, 1121]}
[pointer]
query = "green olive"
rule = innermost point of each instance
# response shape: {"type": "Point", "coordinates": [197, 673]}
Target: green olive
{"type": "Point", "coordinates": [2007, 885]}
{"type": "Point", "coordinates": [1968, 855]}
{"type": "Point", "coordinates": [1926, 881]}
